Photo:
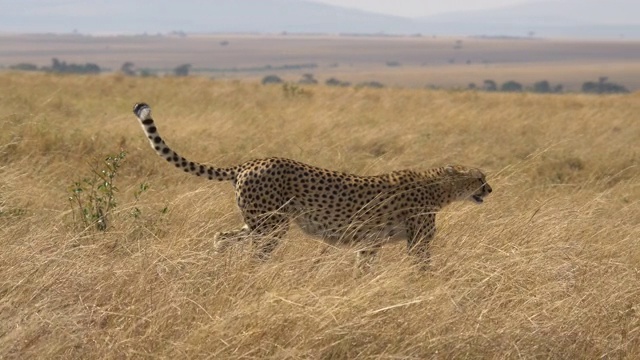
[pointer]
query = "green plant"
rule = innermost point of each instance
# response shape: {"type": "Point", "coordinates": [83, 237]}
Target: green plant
{"type": "Point", "coordinates": [291, 90]}
{"type": "Point", "coordinates": [136, 212]}
{"type": "Point", "coordinates": [92, 199]}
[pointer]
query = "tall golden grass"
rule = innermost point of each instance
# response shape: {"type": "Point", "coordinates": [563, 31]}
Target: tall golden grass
{"type": "Point", "coordinates": [548, 266]}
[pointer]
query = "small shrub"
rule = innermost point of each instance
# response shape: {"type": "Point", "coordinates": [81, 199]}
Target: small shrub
{"type": "Point", "coordinates": [93, 198]}
{"type": "Point", "coordinates": [293, 90]}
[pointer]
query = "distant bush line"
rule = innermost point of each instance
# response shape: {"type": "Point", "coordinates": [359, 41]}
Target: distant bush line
{"type": "Point", "coordinates": [58, 66]}
{"type": "Point", "coordinates": [602, 86]}
{"type": "Point", "coordinates": [260, 68]}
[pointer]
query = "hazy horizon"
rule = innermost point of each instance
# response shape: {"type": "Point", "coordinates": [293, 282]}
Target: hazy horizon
{"type": "Point", "coordinates": [615, 19]}
{"type": "Point", "coordinates": [420, 8]}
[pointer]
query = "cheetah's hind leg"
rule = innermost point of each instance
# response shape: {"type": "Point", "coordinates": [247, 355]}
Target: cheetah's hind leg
{"type": "Point", "coordinates": [223, 240]}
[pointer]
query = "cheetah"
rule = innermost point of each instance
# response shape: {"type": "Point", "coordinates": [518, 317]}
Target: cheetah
{"type": "Point", "coordinates": [340, 208]}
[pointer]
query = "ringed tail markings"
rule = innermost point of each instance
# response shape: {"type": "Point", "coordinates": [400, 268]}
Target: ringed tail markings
{"type": "Point", "coordinates": [143, 113]}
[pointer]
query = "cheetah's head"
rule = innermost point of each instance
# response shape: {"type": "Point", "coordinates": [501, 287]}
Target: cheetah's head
{"type": "Point", "coordinates": [469, 183]}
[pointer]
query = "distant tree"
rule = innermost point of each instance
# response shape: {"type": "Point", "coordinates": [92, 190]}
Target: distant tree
{"type": "Point", "coordinates": [91, 68]}
{"type": "Point", "coordinates": [591, 87]}
{"type": "Point", "coordinates": [489, 85]}
{"type": "Point", "coordinates": [613, 88]}
{"type": "Point", "coordinates": [182, 70]}
{"type": "Point", "coordinates": [127, 69]}
{"type": "Point", "coordinates": [307, 79]}
{"type": "Point", "coordinates": [542, 87]}
{"type": "Point", "coordinates": [393, 63]}
{"type": "Point", "coordinates": [545, 87]}
{"type": "Point", "coordinates": [58, 66]}
{"type": "Point", "coordinates": [271, 79]}
{"type": "Point", "coordinates": [603, 87]}
{"type": "Point", "coordinates": [472, 86]}
{"type": "Point", "coordinates": [511, 86]}
{"type": "Point", "coordinates": [224, 43]}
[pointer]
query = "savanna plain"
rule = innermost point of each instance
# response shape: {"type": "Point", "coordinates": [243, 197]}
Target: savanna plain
{"type": "Point", "coordinates": [547, 267]}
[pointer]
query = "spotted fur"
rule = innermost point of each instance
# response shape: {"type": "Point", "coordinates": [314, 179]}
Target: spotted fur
{"type": "Point", "coordinates": [337, 207]}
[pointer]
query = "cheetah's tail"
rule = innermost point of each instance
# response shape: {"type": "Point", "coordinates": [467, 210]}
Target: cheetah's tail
{"type": "Point", "coordinates": [143, 113]}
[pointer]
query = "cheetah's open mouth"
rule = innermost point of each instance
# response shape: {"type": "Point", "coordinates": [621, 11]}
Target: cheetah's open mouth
{"type": "Point", "coordinates": [477, 198]}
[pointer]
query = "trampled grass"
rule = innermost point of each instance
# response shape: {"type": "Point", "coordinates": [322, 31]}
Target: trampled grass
{"type": "Point", "coordinates": [548, 266]}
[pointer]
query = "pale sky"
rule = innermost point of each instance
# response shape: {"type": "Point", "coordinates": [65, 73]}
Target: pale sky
{"type": "Point", "coordinates": [417, 8]}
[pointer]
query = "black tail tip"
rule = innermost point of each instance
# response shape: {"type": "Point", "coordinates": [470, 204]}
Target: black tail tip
{"type": "Point", "coordinates": [142, 110]}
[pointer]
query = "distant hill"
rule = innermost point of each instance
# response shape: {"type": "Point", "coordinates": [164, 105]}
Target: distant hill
{"type": "Point", "coordinates": [570, 18]}
{"type": "Point", "coordinates": [152, 16]}
{"type": "Point", "coordinates": [574, 18]}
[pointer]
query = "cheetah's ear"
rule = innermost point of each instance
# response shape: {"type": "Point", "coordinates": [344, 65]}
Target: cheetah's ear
{"type": "Point", "coordinates": [476, 173]}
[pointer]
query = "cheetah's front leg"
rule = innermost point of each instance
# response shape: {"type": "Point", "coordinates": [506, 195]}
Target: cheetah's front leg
{"type": "Point", "coordinates": [421, 230]}
{"type": "Point", "coordinates": [222, 240]}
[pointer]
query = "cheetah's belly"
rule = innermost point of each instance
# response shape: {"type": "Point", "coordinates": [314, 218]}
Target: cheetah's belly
{"type": "Point", "coordinates": [351, 232]}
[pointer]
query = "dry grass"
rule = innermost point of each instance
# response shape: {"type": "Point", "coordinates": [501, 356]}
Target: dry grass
{"type": "Point", "coordinates": [547, 267]}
